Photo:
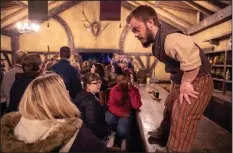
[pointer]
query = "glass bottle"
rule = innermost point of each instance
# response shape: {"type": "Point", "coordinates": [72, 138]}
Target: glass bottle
{"type": "Point", "coordinates": [222, 74]}
{"type": "Point", "coordinates": [211, 60]}
{"type": "Point", "coordinates": [227, 74]}
{"type": "Point", "coordinates": [215, 60]}
{"type": "Point", "coordinates": [148, 79]}
{"type": "Point", "coordinates": [217, 73]}
{"type": "Point", "coordinates": [212, 72]}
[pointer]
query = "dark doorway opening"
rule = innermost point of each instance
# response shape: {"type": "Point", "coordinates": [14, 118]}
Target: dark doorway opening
{"type": "Point", "coordinates": [104, 58]}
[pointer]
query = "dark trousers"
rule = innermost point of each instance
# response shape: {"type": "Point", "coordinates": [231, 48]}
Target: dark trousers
{"type": "Point", "coordinates": [3, 108]}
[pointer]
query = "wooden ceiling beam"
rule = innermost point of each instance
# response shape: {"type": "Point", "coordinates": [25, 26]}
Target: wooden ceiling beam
{"type": "Point", "coordinates": [22, 3]}
{"type": "Point", "coordinates": [226, 2]}
{"type": "Point", "coordinates": [127, 5]}
{"type": "Point", "coordinates": [219, 17]}
{"type": "Point", "coordinates": [219, 4]}
{"type": "Point", "coordinates": [51, 13]}
{"type": "Point", "coordinates": [12, 15]}
{"type": "Point", "coordinates": [162, 19]}
{"type": "Point", "coordinates": [9, 33]}
{"type": "Point", "coordinates": [198, 7]}
{"type": "Point", "coordinates": [176, 7]}
{"type": "Point", "coordinates": [164, 13]}
{"type": "Point", "coordinates": [14, 23]}
{"type": "Point", "coordinates": [9, 8]}
{"type": "Point", "coordinates": [208, 6]}
{"type": "Point", "coordinates": [174, 24]}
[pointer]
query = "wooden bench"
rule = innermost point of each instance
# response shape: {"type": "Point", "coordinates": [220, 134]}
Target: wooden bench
{"type": "Point", "coordinates": [210, 137]}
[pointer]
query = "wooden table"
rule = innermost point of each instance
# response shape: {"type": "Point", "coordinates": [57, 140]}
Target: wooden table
{"type": "Point", "coordinates": [209, 138]}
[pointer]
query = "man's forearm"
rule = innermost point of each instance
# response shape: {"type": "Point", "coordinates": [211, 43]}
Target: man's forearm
{"type": "Point", "coordinates": [189, 76]}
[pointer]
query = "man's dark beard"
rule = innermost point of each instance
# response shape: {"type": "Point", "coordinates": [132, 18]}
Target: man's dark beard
{"type": "Point", "coordinates": [149, 38]}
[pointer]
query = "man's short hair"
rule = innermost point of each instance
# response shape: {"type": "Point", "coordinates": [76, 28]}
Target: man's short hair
{"type": "Point", "coordinates": [65, 52]}
{"type": "Point", "coordinates": [144, 13]}
{"type": "Point", "coordinates": [31, 63]}
{"type": "Point", "coordinates": [19, 56]}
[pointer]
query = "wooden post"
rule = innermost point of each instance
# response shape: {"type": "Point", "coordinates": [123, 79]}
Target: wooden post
{"type": "Point", "coordinates": [147, 62]}
{"type": "Point", "coordinates": [224, 71]}
{"type": "Point", "coordinates": [140, 61]}
{"type": "Point", "coordinates": [219, 17]}
{"type": "Point", "coordinates": [14, 46]}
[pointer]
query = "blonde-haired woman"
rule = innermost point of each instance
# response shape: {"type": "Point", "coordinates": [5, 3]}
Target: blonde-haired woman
{"type": "Point", "coordinates": [47, 121]}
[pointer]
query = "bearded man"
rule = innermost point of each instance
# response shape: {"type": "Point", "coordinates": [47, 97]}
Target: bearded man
{"type": "Point", "coordinates": [192, 84]}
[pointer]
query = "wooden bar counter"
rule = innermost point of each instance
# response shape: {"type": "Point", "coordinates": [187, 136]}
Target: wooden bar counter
{"type": "Point", "coordinates": [210, 137]}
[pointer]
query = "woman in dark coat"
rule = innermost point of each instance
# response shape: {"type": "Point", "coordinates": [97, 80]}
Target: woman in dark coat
{"type": "Point", "coordinates": [99, 69]}
{"type": "Point", "coordinates": [93, 113]}
{"type": "Point", "coordinates": [32, 65]}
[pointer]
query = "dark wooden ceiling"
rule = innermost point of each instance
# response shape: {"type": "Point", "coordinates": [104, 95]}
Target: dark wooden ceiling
{"type": "Point", "coordinates": [8, 5]}
{"type": "Point", "coordinates": [205, 8]}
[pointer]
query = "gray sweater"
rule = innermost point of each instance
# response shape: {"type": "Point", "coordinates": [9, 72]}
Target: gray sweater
{"type": "Point", "coordinates": [8, 80]}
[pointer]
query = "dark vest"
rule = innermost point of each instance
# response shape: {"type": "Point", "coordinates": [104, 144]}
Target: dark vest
{"type": "Point", "coordinates": [171, 65]}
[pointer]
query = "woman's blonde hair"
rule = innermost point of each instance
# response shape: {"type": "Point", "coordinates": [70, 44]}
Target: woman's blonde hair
{"type": "Point", "coordinates": [46, 97]}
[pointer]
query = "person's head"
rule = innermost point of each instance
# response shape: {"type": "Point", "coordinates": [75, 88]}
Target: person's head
{"type": "Point", "coordinates": [46, 98]}
{"type": "Point", "coordinates": [144, 24]}
{"type": "Point", "coordinates": [86, 66]}
{"type": "Point", "coordinates": [65, 52]}
{"type": "Point", "coordinates": [116, 58]}
{"type": "Point", "coordinates": [110, 73]}
{"type": "Point", "coordinates": [2, 64]}
{"type": "Point", "coordinates": [76, 65]}
{"type": "Point", "coordinates": [131, 59]}
{"type": "Point", "coordinates": [92, 70]}
{"type": "Point", "coordinates": [77, 58]}
{"type": "Point", "coordinates": [19, 56]}
{"type": "Point", "coordinates": [48, 65]}
{"type": "Point", "coordinates": [32, 63]}
{"type": "Point", "coordinates": [98, 68]}
{"type": "Point", "coordinates": [55, 58]}
{"type": "Point", "coordinates": [110, 69]}
{"type": "Point", "coordinates": [123, 63]}
{"type": "Point", "coordinates": [122, 80]}
{"type": "Point", "coordinates": [92, 82]}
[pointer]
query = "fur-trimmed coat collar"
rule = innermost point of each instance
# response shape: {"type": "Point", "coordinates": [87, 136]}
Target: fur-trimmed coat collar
{"type": "Point", "coordinates": [56, 139]}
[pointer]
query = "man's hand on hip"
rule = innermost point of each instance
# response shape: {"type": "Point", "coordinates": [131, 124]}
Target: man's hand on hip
{"type": "Point", "coordinates": [186, 90]}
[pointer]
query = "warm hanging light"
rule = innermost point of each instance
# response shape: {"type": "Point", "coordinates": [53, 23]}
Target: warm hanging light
{"type": "Point", "coordinates": [27, 27]}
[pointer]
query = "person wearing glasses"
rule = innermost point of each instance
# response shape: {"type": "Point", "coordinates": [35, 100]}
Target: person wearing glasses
{"type": "Point", "coordinates": [92, 111]}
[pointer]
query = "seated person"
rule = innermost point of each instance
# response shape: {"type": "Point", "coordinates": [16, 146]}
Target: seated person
{"type": "Point", "coordinates": [93, 113]}
{"type": "Point", "coordinates": [123, 99]}
{"type": "Point", "coordinates": [111, 75]}
{"type": "Point", "coordinates": [47, 121]}
{"type": "Point", "coordinates": [32, 65]}
{"type": "Point", "coordinates": [123, 64]}
{"type": "Point", "coordinates": [99, 69]}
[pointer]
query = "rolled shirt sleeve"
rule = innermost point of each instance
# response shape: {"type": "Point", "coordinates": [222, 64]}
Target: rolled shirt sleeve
{"type": "Point", "coordinates": [182, 48]}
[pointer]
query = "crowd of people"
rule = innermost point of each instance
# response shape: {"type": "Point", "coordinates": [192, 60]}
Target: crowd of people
{"type": "Point", "coordinates": [58, 105]}
{"type": "Point", "coordinates": [61, 105]}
